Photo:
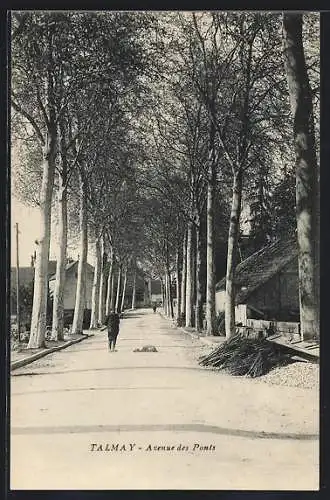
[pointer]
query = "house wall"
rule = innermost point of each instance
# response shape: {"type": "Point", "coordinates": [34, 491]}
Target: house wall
{"type": "Point", "coordinates": [279, 297]}
{"type": "Point", "coordinates": [70, 291]}
{"type": "Point", "coordinates": [290, 286]}
{"type": "Point", "coordinates": [240, 309]}
{"type": "Point", "coordinates": [69, 297]}
{"type": "Point", "coordinates": [241, 314]}
{"type": "Point", "coordinates": [267, 296]}
{"type": "Point", "coordinates": [156, 297]}
{"type": "Point", "coordinates": [220, 301]}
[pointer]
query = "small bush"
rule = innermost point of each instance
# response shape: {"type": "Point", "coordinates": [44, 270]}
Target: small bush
{"type": "Point", "coordinates": [181, 321]}
{"type": "Point", "coordinates": [48, 333]}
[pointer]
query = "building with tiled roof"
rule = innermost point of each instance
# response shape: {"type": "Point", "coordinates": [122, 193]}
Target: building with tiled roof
{"type": "Point", "coordinates": [266, 284]}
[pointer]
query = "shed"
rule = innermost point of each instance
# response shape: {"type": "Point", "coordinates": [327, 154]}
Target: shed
{"type": "Point", "coordinates": [71, 275]}
{"type": "Point", "coordinates": [266, 284]}
{"type": "Point", "coordinates": [154, 291]}
{"type": "Point", "coordinates": [26, 280]}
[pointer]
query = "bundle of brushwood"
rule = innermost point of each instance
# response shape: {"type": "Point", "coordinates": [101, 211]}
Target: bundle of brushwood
{"type": "Point", "coordinates": [220, 323]}
{"type": "Point", "coordinates": [245, 356]}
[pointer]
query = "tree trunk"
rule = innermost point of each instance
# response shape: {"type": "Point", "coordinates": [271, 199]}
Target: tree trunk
{"type": "Point", "coordinates": [134, 289]}
{"type": "Point", "coordinates": [178, 283]}
{"type": "Point", "coordinates": [231, 255]}
{"type": "Point", "coordinates": [184, 276]}
{"type": "Point", "coordinates": [210, 272]}
{"type": "Point", "coordinates": [124, 290]}
{"type": "Point", "coordinates": [193, 273]}
{"type": "Point", "coordinates": [102, 293]}
{"type": "Point", "coordinates": [58, 299]}
{"type": "Point", "coordinates": [163, 293]}
{"type": "Point", "coordinates": [78, 317]}
{"type": "Point", "coordinates": [198, 280]}
{"type": "Point", "coordinates": [168, 283]}
{"type": "Point", "coordinates": [62, 234]}
{"type": "Point", "coordinates": [96, 283]}
{"type": "Point", "coordinates": [39, 309]}
{"type": "Point", "coordinates": [118, 289]}
{"type": "Point", "coordinates": [170, 312]}
{"type": "Point", "coordinates": [108, 307]}
{"type": "Point", "coordinates": [166, 309]}
{"type": "Point", "coordinates": [306, 173]}
{"type": "Point", "coordinates": [171, 296]}
{"type": "Point", "coordinates": [189, 277]}
{"type": "Point", "coordinates": [166, 295]}
{"type": "Point", "coordinates": [112, 293]}
{"type": "Point", "coordinates": [150, 290]}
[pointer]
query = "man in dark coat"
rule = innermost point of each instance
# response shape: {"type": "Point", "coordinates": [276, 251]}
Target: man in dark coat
{"type": "Point", "coordinates": [112, 323]}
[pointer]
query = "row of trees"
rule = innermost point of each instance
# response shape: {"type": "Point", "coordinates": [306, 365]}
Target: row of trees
{"type": "Point", "coordinates": [151, 126]}
{"type": "Point", "coordinates": [222, 129]}
{"type": "Point", "coordinates": [75, 86]}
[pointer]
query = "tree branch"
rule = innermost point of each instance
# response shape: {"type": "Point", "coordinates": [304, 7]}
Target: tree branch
{"type": "Point", "coordinates": [30, 118]}
{"type": "Point", "coordinates": [22, 21]}
{"type": "Point", "coordinates": [42, 107]}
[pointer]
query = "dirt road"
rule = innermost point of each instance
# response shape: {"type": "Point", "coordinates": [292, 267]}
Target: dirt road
{"type": "Point", "coordinates": [85, 418]}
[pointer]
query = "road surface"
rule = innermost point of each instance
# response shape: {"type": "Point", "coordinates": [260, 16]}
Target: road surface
{"type": "Point", "coordinates": [85, 418]}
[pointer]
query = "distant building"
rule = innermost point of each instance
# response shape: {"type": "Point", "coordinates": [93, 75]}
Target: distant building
{"type": "Point", "coordinates": [26, 279]}
{"type": "Point", "coordinates": [156, 291]}
{"type": "Point", "coordinates": [26, 274]}
{"type": "Point", "coordinates": [139, 288]}
{"type": "Point", "coordinates": [69, 298]}
{"type": "Point", "coordinates": [153, 292]}
{"type": "Point", "coordinates": [146, 290]}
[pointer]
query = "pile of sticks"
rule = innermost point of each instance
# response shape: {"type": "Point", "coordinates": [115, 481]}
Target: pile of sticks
{"type": "Point", "coordinates": [245, 356]}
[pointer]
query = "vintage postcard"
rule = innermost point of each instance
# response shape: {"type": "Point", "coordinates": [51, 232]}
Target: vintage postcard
{"type": "Point", "coordinates": [164, 283]}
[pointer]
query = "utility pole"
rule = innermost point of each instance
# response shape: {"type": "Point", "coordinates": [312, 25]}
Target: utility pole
{"type": "Point", "coordinates": [17, 287]}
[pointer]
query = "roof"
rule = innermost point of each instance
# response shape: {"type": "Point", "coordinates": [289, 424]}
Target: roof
{"type": "Point", "coordinates": [26, 274]}
{"type": "Point", "coordinates": [260, 267]}
{"type": "Point", "coordinates": [69, 266]}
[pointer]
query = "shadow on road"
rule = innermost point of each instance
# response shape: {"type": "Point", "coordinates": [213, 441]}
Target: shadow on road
{"type": "Point", "coordinates": [203, 428]}
{"type": "Point", "coordinates": [105, 348]}
{"type": "Point", "coordinates": [86, 389]}
{"type": "Point", "coordinates": [130, 368]}
{"type": "Point", "coordinates": [129, 315]}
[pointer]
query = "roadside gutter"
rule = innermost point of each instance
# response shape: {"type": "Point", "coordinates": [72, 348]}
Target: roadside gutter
{"type": "Point", "coordinates": [33, 357]}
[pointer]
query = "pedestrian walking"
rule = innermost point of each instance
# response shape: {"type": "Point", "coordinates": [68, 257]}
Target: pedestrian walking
{"type": "Point", "coordinates": [112, 323]}
{"type": "Point", "coordinates": [154, 308]}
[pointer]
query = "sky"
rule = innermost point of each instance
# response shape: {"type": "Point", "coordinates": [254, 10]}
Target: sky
{"type": "Point", "coordinates": [28, 220]}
